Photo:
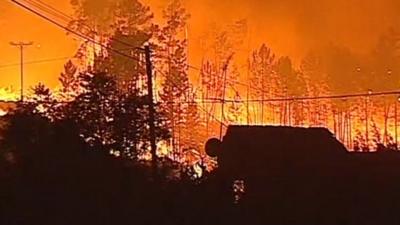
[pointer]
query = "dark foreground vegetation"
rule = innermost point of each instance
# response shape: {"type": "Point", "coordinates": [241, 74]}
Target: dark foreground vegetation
{"type": "Point", "coordinates": [79, 162]}
{"type": "Point", "coordinates": [56, 165]}
{"type": "Point", "coordinates": [52, 176]}
{"type": "Point", "coordinates": [58, 179]}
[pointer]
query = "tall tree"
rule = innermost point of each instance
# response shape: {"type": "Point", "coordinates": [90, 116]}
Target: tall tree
{"type": "Point", "coordinates": [93, 110]}
{"type": "Point", "coordinates": [129, 71]}
{"type": "Point", "coordinates": [316, 79]}
{"type": "Point", "coordinates": [264, 80]}
{"type": "Point", "coordinates": [193, 136]}
{"type": "Point", "coordinates": [124, 23]}
{"type": "Point", "coordinates": [172, 53]}
{"type": "Point", "coordinates": [344, 75]}
{"type": "Point", "coordinates": [383, 74]}
{"type": "Point", "coordinates": [69, 81]}
{"type": "Point", "coordinates": [292, 84]}
{"type": "Point", "coordinates": [104, 17]}
{"type": "Point", "coordinates": [111, 120]}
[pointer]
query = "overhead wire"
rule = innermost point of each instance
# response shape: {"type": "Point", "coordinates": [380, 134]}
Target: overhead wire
{"type": "Point", "coordinates": [83, 36]}
{"type": "Point", "coordinates": [35, 62]}
{"type": "Point", "coordinates": [69, 19]}
{"type": "Point", "coordinates": [60, 15]}
{"type": "Point", "coordinates": [80, 34]}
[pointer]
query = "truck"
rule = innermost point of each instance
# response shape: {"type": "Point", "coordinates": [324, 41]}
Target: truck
{"type": "Point", "coordinates": [291, 175]}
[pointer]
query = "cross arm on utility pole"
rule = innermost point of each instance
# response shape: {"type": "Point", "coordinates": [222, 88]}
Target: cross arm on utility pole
{"type": "Point", "coordinates": [21, 43]}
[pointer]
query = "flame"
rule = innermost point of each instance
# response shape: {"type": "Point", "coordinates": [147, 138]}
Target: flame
{"type": "Point", "coordinates": [8, 94]}
{"type": "Point", "coordinates": [3, 112]}
{"type": "Point", "coordinates": [372, 123]}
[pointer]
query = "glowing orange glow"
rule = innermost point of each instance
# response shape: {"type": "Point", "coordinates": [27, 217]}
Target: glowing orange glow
{"type": "Point", "coordinates": [288, 28]}
{"type": "Point", "coordinates": [8, 94]}
{"type": "Point", "coordinates": [3, 112]}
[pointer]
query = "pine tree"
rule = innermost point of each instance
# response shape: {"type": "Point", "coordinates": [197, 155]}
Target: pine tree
{"type": "Point", "coordinates": [343, 75]}
{"type": "Point", "coordinates": [43, 102]}
{"type": "Point", "coordinates": [264, 81]}
{"type": "Point", "coordinates": [69, 81]}
{"type": "Point", "coordinates": [110, 120]}
{"type": "Point", "coordinates": [382, 74]}
{"type": "Point", "coordinates": [172, 54]}
{"type": "Point", "coordinates": [129, 72]}
{"type": "Point", "coordinates": [120, 24]}
{"type": "Point", "coordinates": [316, 80]}
{"type": "Point", "coordinates": [193, 136]}
{"type": "Point", "coordinates": [93, 109]}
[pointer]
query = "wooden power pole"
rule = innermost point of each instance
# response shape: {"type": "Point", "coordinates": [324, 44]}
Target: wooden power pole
{"type": "Point", "coordinates": [21, 45]}
{"type": "Point", "coordinates": [149, 71]}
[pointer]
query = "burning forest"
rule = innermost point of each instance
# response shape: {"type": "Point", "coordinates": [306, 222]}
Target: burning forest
{"type": "Point", "coordinates": [353, 95]}
{"type": "Point", "coordinates": [147, 83]}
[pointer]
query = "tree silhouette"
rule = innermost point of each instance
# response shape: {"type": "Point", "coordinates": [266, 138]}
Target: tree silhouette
{"type": "Point", "coordinates": [93, 109]}
{"type": "Point", "coordinates": [193, 130]}
{"type": "Point", "coordinates": [111, 120]}
{"type": "Point", "coordinates": [69, 81]}
{"type": "Point", "coordinates": [264, 80]}
{"type": "Point", "coordinates": [312, 69]}
{"type": "Point", "coordinates": [173, 58]}
{"type": "Point", "coordinates": [25, 131]}
{"type": "Point", "coordinates": [121, 24]}
{"type": "Point", "coordinates": [130, 73]}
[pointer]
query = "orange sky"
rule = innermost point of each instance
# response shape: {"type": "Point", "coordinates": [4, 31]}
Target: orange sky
{"type": "Point", "coordinates": [290, 27]}
{"type": "Point", "coordinates": [18, 24]}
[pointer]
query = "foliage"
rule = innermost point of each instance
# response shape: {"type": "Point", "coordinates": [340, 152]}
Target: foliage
{"type": "Point", "coordinates": [25, 131]}
{"type": "Point", "coordinates": [193, 137]}
{"type": "Point", "coordinates": [104, 17]}
{"type": "Point", "coordinates": [172, 56]}
{"type": "Point", "coordinates": [129, 71]}
{"type": "Point", "coordinates": [69, 81]}
{"type": "Point", "coordinates": [112, 120]}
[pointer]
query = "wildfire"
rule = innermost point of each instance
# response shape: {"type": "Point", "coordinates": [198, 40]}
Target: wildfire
{"type": "Point", "coordinates": [8, 94]}
{"type": "Point", "coordinates": [362, 124]}
{"type": "Point", "coordinates": [7, 97]}
{"type": "Point", "coordinates": [3, 112]}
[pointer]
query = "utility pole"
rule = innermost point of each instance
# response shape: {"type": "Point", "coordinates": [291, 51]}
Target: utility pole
{"type": "Point", "coordinates": [149, 71]}
{"type": "Point", "coordinates": [248, 93]}
{"type": "Point", "coordinates": [395, 123]}
{"type": "Point", "coordinates": [21, 45]}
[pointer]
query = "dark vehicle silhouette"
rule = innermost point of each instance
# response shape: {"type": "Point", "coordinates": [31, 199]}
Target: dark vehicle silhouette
{"type": "Point", "coordinates": [306, 176]}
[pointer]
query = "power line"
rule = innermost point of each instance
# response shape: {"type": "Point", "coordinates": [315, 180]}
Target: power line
{"type": "Point", "coordinates": [53, 11]}
{"type": "Point", "coordinates": [72, 31]}
{"type": "Point", "coordinates": [48, 9]}
{"type": "Point", "coordinates": [34, 62]}
{"type": "Point", "coordinates": [307, 98]}
{"type": "Point", "coordinates": [233, 81]}
{"type": "Point", "coordinates": [208, 101]}
{"type": "Point", "coordinates": [188, 65]}
{"type": "Point", "coordinates": [67, 18]}
{"type": "Point", "coordinates": [84, 36]}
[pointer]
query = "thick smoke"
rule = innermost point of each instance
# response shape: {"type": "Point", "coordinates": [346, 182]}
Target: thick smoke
{"type": "Point", "coordinates": [289, 27]}
{"type": "Point", "coordinates": [293, 27]}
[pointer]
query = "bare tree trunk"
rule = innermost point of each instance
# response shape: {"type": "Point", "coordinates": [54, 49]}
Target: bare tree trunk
{"type": "Point", "coordinates": [386, 118]}
{"type": "Point", "coordinates": [350, 130]}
